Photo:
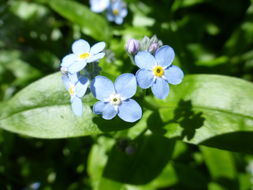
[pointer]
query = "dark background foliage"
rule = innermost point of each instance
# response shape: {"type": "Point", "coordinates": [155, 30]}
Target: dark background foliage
{"type": "Point", "coordinates": [208, 36]}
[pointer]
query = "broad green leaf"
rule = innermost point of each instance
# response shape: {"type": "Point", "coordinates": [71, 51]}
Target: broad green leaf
{"type": "Point", "coordinates": [43, 110]}
{"type": "Point", "coordinates": [188, 175]}
{"type": "Point", "coordinates": [91, 23]}
{"type": "Point", "coordinates": [140, 161]}
{"type": "Point", "coordinates": [219, 162]}
{"type": "Point", "coordinates": [207, 109]}
{"type": "Point", "coordinates": [221, 166]}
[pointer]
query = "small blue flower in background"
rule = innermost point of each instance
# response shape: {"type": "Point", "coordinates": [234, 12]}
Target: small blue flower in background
{"type": "Point", "coordinates": [117, 11]}
{"type": "Point", "coordinates": [115, 98]}
{"type": "Point", "coordinates": [76, 86]}
{"type": "Point", "coordinates": [156, 71]}
{"type": "Point", "coordinates": [82, 54]}
{"type": "Point", "coordinates": [99, 6]}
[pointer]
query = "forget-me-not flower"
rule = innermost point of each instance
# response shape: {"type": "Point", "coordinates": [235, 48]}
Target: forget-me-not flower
{"type": "Point", "coordinates": [99, 6]}
{"type": "Point", "coordinates": [82, 54]}
{"type": "Point", "coordinates": [117, 11]}
{"type": "Point", "coordinates": [76, 86]}
{"type": "Point", "coordinates": [156, 71]}
{"type": "Point", "coordinates": [115, 98]}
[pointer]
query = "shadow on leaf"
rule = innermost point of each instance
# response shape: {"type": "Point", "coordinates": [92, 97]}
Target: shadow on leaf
{"type": "Point", "coordinates": [230, 142]}
{"type": "Point", "coordinates": [111, 125]}
{"type": "Point", "coordinates": [139, 161]}
{"type": "Point", "coordinates": [183, 115]}
{"type": "Point", "coordinates": [188, 119]}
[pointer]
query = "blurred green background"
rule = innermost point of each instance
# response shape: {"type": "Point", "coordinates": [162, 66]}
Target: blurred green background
{"type": "Point", "coordinates": [208, 36]}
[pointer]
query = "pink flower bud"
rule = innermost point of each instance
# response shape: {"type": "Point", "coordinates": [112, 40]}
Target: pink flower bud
{"type": "Point", "coordinates": [153, 47]}
{"type": "Point", "coordinates": [132, 46]}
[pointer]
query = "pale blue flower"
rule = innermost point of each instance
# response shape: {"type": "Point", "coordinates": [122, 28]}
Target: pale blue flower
{"type": "Point", "coordinates": [82, 54]}
{"type": "Point", "coordinates": [115, 98]}
{"type": "Point", "coordinates": [76, 86]}
{"type": "Point", "coordinates": [156, 71]}
{"type": "Point", "coordinates": [117, 11]}
{"type": "Point", "coordinates": [99, 6]}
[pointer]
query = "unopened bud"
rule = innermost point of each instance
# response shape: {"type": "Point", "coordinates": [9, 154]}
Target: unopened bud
{"type": "Point", "coordinates": [132, 46]}
{"type": "Point", "coordinates": [153, 47]}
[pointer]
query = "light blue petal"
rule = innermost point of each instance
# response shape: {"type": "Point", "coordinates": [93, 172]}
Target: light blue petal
{"type": "Point", "coordinates": [98, 47]}
{"type": "Point", "coordinates": [102, 88]}
{"type": "Point", "coordinates": [118, 20]}
{"type": "Point", "coordinates": [126, 85]}
{"type": "Point", "coordinates": [99, 5]}
{"type": "Point", "coordinates": [130, 111]}
{"type": "Point", "coordinates": [96, 57]}
{"type": "Point", "coordinates": [123, 12]}
{"type": "Point", "coordinates": [164, 56]}
{"type": "Point", "coordinates": [145, 60]}
{"type": "Point", "coordinates": [116, 4]}
{"type": "Point", "coordinates": [174, 75]}
{"type": "Point", "coordinates": [80, 46]}
{"type": "Point", "coordinates": [99, 107]}
{"type": "Point", "coordinates": [68, 60]}
{"type": "Point", "coordinates": [110, 16]}
{"type": "Point", "coordinates": [77, 106]}
{"type": "Point", "coordinates": [73, 77]}
{"type": "Point", "coordinates": [66, 81]}
{"type": "Point", "coordinates": [160, 88]}
{"type": "Point", "coordinates": [82, 86]}
{"type": "Point", "coordinates": [77, 66]}
{"type": "Point", "coordinates": [145, 78]}
{"type": "Point", "coordinates": [109, 112]}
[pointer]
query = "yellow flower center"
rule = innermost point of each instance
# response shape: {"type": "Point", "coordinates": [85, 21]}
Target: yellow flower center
{"type": "Point", "coordinates": [115, 11]}
{"type": "Point", "coordinates": [115, 99]}
{"type": "Point", "coordinates": [72, 90]}
{"type": "Point", "coordinates": [84, 55]}
{"type": "Point", "coordinates": [158, 71]}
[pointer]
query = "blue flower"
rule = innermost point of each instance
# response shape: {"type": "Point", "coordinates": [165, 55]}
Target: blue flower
{"type": "Point", "coordinates": [117, 11]}
{"type": "Point", "coordinates": [99, 6]}
{"type": "Point", "coordinates": [82, 54]}
{"type": "Point", "coordinates": [115, 98]}
{"type": "Point", "coordinates": [76, 86]}
{"type": "Point", "coordinates": [156, 71]}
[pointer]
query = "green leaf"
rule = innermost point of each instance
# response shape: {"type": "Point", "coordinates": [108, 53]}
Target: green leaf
{"type": "Point", "coordinates": [207, 109]}
{"type": "Point", "coordinates": [221, 166]}
{"type": "Point", "coordinates": [91, 23]}
{"type": "Point", "coordinates": [219, 162]}
{"type": "Point", "coordinates": [139, 161]}
{"type": "Point", "coordinates": [43, 110]}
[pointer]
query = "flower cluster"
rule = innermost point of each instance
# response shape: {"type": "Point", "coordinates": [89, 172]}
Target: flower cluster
{"type": "Point", "coordinates": [72, 65]}
{"type": "Point", "coordinates": [155, 65]}
{"type": "Point", "coordinates": [114, 99]}
{"type": "Point", "coordinates": [155, 71]}
{"type": "Point", "coordinates": [116, 9]}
